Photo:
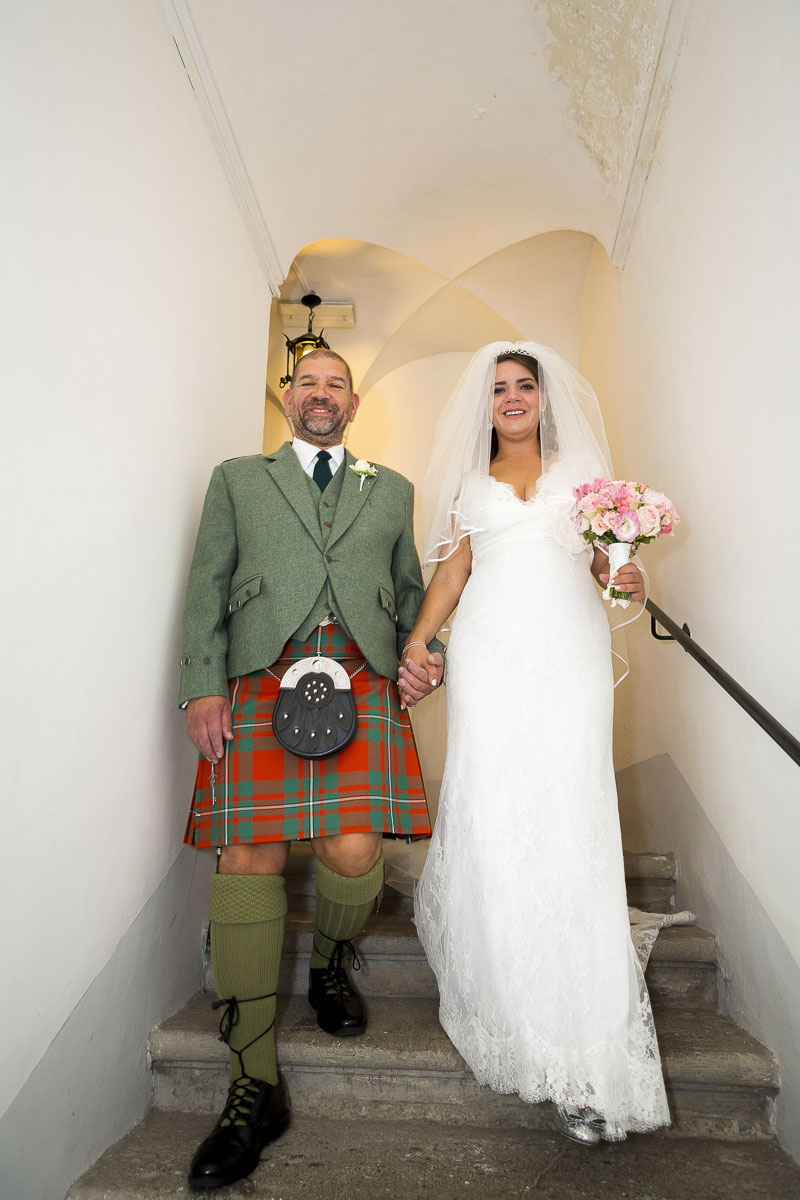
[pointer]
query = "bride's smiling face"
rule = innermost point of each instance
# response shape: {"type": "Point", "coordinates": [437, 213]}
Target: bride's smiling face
{"type": "Point", "coordinates": [515, 406]}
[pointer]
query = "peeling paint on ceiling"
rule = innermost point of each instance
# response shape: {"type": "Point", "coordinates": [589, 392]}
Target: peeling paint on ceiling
{"type": "Point", "coordinates": [604, 53]}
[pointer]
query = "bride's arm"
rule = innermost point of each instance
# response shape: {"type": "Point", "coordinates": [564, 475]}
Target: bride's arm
{"type": "Point", "coordinates": [442, 596]}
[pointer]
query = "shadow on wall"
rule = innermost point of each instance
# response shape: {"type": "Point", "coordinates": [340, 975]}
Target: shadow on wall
{"type": "Point", "coordinates": [760, 978]}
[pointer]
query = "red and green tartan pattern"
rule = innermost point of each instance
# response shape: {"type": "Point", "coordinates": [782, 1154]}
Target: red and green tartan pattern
{"type": "Point", "coordinates": [259, 792]}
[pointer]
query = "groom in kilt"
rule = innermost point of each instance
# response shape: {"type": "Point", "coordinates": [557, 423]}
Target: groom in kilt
{"type": "Point", "coordinates": [303, 552]}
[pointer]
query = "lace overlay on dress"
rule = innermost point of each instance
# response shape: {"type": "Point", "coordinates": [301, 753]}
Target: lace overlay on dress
{"type": "Point", "coordinates": [521, 905]}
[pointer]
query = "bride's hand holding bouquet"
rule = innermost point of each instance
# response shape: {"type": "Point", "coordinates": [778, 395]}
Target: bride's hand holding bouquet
{"type": "Point", "coordinates": [622, 516]}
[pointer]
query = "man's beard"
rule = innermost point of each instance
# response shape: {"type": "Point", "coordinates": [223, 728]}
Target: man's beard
{"type": "Point", "coordinates": [319, 426]}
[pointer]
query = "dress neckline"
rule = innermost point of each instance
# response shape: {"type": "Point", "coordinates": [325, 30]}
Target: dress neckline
{"type": "Point", "coordinates": [513, 491]}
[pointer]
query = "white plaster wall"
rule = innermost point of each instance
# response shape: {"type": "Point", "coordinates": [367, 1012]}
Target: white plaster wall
{"type": "Point", "coordinates": [692, 350]}
{"type": "Point", "coordinates": [136, 324]}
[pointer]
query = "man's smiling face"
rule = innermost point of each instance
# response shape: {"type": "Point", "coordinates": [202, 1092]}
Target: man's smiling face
{"type": "Point", "coordinates": [319, 403]}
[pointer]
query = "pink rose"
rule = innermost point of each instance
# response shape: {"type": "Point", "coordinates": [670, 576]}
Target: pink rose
{"type": "Point", "coordinates": [651, 496]}
{"type": "Point", "coordinates": [625, 526]}
{"type": "Point", "coordinates": [649, 520]}
{"type": "Point", "coordinates": [600, 524]}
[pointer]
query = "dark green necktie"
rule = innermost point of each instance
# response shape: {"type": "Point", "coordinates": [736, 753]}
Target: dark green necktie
{"type": "Point", "coordinates": [322, 472]}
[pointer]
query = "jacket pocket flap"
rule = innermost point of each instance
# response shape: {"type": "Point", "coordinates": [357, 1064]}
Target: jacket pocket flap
{"type": "Point", "coordinates": [244, 592]}
{"type": "Point", "coordinates": [386, 597]}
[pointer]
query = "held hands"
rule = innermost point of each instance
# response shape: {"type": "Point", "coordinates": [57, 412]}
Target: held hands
{"type": "Point", "coordinates": [208, 723]}
{"type": "Point", "coordinates": [420, 672]}
{"type": "Point", "coordinates": [627, 579]}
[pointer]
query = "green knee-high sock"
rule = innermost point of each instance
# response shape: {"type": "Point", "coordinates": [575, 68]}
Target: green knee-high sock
{"type": "Point", "coordinates": [343, 905]}
{"type": "Point", "coordinates": [247, 915]}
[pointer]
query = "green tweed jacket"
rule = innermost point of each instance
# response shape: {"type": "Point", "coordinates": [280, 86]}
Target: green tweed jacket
{"type": "Point", "coordinates": [260, 563]}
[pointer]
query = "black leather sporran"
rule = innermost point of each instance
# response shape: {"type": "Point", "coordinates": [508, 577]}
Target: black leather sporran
{"type": "Point", "coordinates": [315, 714]}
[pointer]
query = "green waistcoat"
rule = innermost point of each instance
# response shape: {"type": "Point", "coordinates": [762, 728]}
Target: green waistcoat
{"type": "Point", "coordinates": [325, 504]}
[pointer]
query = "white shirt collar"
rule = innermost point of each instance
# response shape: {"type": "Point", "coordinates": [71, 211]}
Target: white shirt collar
{"type": "Point", "coordinates": [307, 455]}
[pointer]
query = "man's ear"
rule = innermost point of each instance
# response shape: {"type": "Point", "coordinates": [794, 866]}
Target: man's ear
{"type": "Point", "coordinates": [287, 399]}
{"type": "Point", "coordinates": [354, 403]}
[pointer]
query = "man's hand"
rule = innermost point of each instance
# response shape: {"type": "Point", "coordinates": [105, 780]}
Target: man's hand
{"type": "Point", "coordinates": [208, 723]}
{"type": "Point", "coordinates": [627, 579]}
{"type": "Point", "coordinates": [420, 672]}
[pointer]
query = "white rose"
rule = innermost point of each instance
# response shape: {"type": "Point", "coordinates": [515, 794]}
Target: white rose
{"type": "Point", "coordinates": [649, 520]}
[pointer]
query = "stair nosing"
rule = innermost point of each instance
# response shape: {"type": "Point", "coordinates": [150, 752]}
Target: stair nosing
{"type": "Point", "coordinates": [688, 943]}
{"type": "Point", "coordinates": [758, 1070]}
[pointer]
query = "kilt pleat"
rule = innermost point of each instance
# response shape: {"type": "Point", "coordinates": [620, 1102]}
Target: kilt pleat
{"type": "Point", "coordinates": [259, 792]}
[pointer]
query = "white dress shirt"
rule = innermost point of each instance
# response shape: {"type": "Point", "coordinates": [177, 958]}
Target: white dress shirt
{"type": "Point", "coordinates": [307, 455]}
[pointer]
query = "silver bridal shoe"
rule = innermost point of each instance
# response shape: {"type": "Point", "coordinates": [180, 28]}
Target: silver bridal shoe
{"type": "Point", "coordinates": [579, 1124]}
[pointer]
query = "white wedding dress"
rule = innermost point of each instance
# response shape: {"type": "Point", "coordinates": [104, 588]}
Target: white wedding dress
{"type": "Point", "coordinates": [521, 905]}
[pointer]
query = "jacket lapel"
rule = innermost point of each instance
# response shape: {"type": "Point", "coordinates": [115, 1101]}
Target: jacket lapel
{"type": "Point", "coordinates": [284, 467]}
{"type": "Point", "coordinates": [351, 500]}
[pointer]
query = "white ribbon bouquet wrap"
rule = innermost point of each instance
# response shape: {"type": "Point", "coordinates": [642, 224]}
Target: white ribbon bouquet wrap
{"type": "Point", "coordinates": [619, 553]}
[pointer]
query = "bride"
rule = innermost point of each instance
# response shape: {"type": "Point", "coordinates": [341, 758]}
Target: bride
{"type": "Point", "coordinates": [521, 905]}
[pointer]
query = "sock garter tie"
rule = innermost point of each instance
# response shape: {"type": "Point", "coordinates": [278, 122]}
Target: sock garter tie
{"type": "Point", "coordinates": [230, 1019]}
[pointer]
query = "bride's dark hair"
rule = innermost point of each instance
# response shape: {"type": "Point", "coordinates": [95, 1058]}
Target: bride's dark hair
{"type": "Point", "coordinates": [530, 364]}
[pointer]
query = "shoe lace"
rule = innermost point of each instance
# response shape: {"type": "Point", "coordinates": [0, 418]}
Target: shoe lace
{"type": "Point", "coordinates": [334, 978]}
{"type": "Point", "coordinates": [241, 1095]}
{"type": "Point", "coordinates": [230, 1019]}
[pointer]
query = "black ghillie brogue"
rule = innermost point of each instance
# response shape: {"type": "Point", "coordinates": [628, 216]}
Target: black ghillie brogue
{"type": "Point", "coordinates": [340, 1010]}
{"type": "Point", "coordinates": [255, 1114]}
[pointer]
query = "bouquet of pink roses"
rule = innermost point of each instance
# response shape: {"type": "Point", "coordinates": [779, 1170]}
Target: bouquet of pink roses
{"type": "Point", "coordinates": [623, 516]}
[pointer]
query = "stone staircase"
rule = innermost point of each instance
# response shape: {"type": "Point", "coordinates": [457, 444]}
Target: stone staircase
{"type": "Point", "coordinates": [397, 1110]}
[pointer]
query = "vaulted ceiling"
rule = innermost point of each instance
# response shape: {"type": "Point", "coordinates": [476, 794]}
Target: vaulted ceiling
{"type": "Point", "coordinates": [410, 157]}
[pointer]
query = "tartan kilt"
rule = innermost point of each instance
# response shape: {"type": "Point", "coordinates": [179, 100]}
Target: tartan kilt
{"type": "Point", "coordinates": [259, 792]}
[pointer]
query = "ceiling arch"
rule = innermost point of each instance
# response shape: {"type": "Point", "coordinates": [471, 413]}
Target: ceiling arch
{"type": "Point", "coordinates": [444, 130]}
{"type": "Point", "coordinates": [407, 311]}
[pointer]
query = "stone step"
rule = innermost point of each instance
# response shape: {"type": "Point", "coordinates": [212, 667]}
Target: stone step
{"type": "Point", "coordinates": [721, 1081]}
{"type": "Point", "coordinates": [682, 967]}
{"type": "Point", "coordinates": [326, 1159]}
{"type": "Point", "coordinates": [637, 866]}
{"type": "Point", "coordinates": [650, 880]}
{"type": "Point", "coordinates": [682, 970]}
{"type": "Point", "coordinates": [649, 865]}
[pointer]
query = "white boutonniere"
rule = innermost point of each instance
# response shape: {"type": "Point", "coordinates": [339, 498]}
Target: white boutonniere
{"type": "Point", "coordinates": [365, 469]}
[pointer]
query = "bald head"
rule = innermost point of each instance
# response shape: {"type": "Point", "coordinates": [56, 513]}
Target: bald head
{"type": "Point", "coordinates": [322, 353]}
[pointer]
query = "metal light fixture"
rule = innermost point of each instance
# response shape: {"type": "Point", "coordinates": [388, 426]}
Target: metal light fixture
{"type": "Point", "coordinates": [306, 342]}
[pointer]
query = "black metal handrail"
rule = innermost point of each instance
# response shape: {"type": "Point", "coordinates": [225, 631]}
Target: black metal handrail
{"type": "Point", "coordinates": [779, 733]}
